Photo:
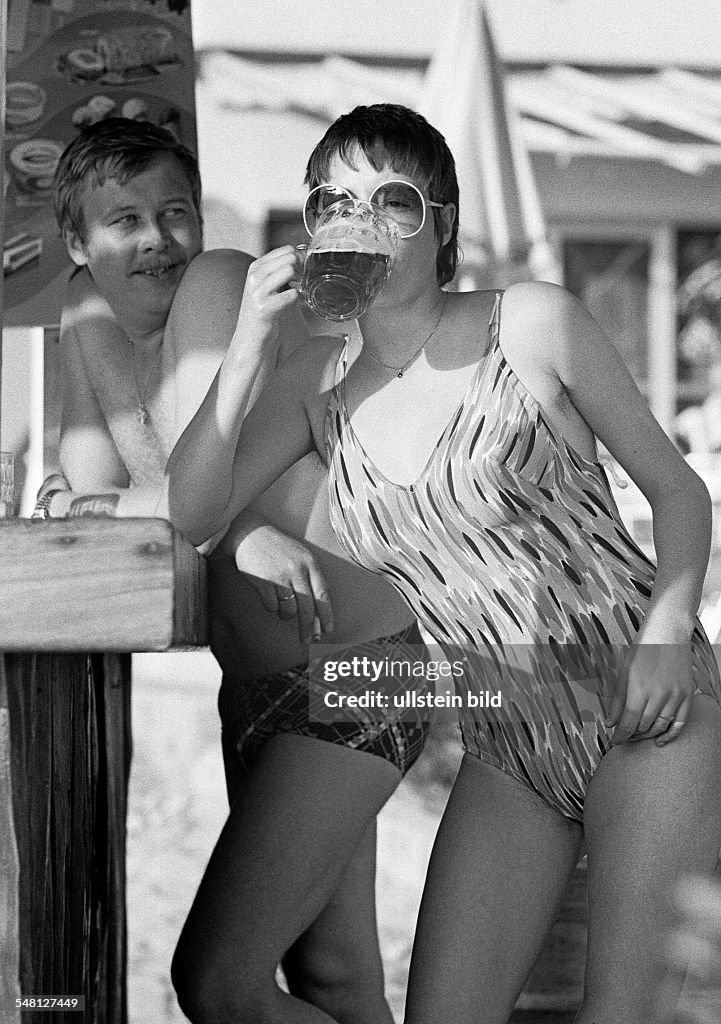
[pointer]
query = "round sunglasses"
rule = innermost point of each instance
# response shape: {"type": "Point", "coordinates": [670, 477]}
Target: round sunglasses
{"type": "Point", "coordinates": [400, 200]}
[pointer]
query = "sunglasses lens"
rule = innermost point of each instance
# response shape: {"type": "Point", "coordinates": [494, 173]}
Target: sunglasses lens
{"type": "Point", "coordinates": [318, 202]}
{"type": "Point", "coordinates": [403, 203]}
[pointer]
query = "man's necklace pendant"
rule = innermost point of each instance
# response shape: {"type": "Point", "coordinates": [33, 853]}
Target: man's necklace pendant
{"type": "Point", "coordinates": [142, 415]}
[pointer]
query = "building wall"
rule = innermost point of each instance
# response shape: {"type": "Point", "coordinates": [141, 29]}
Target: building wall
{"type": "Point", "coordinates": [599, 189]}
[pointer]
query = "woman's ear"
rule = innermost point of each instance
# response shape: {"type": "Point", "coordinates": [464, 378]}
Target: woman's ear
{"type": "Point", "coordinates": [447, 219]}
{"type": "Point", "coordinates": [76, 247]}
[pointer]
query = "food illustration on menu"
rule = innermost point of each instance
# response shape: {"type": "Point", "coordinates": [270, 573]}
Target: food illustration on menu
{"type": "Point", "coordinates": [71, 63]}
{"type": "Point", "coordinates": [125, 55]}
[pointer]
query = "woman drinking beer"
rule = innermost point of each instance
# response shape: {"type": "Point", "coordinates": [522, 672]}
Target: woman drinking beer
{"type": "Point", "coordinates": [461, 445]}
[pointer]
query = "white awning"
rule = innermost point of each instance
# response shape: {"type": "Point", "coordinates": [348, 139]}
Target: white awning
{"type": "Point", "coordinates": [671, 116]}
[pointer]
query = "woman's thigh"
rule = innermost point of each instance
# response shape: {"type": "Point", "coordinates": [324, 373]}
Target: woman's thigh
{"type": "Point", "coordinates": [652, 814]}
{"type": "Point", "coordinates": [499, 864]}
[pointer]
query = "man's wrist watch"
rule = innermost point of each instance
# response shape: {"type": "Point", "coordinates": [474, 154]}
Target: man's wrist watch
{"type": "Point", "coordinates": [42, 505]}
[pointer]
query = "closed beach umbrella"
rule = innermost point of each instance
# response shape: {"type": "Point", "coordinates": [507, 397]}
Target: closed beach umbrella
{"type": "Point", "coordinates": [502, 229]}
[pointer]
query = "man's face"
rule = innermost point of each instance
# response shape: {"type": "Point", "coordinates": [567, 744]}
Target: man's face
{"type": "Point", "coordinates": [138, 240]}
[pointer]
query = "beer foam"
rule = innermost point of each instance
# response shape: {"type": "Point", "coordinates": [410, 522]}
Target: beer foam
{"type": "Point", "coordinates": [336, 238]}
{"type": "Point", "coordinates": [354, 251]}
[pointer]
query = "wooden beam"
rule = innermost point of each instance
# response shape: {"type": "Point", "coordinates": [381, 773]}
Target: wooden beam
{"type": "Point", "coordinates": [99, 585]}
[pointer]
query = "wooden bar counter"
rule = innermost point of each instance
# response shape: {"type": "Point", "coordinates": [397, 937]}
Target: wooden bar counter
{"type": "Point", "coordinates": [76, 597]}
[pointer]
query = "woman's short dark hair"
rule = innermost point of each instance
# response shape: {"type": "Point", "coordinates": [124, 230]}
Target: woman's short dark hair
{"type": "Point", "coordinates": [388, 133]}
{"type": "Point", "coordinates": [117, 149]}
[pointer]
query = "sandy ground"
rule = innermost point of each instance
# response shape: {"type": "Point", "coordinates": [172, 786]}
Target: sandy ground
{"type": "Point", "coordinates": [177, 808]}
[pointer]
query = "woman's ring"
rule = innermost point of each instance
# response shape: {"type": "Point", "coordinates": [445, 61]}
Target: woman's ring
{"type": "Point", "coordinates": [288, 597]}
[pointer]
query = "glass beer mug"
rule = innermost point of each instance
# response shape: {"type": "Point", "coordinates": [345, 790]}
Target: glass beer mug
{"type": "Point", "coordinates": [348, 259]}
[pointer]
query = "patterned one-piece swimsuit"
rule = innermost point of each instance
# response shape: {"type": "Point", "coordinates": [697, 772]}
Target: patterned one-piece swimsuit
{"type": "Point", "coordinates": [511, 551]}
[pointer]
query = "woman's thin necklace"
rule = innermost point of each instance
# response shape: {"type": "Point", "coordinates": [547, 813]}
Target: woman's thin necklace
{"type": "Point", "coordinates": [400, 370]}
{"type": "Point", "coordinates": [142, 413]}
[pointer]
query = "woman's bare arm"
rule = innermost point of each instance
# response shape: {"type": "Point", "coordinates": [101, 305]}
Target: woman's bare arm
{"type": "Point", "coordinates": [211, 476]}
{"type": "Point", "coordinates": [601, 389]}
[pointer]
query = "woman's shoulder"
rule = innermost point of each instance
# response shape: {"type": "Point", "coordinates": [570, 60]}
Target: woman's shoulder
{"type": "Point", "coordinates": [540, 321]}
{"type": "Point", "coordinates": [540, 302]}
{"type": "Point", "coordinates": [534, 301]}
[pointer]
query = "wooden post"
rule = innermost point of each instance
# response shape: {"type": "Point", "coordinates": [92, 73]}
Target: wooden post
{"type": "Point", "coordinates": [9, 874]}
{"type": "Point", "coordinates": [71, 587]}
{"type": "Point", "coordinates": [69, 760]}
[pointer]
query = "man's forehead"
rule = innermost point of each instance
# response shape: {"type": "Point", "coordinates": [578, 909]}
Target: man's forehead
{"type": "Point", "coordinates": [162, 179]}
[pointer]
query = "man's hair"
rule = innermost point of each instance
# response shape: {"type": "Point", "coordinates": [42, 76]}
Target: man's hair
{"type": "Point", "coordinates": [116, 149]}
{"type": "Point", "coordinates": [388, 133]}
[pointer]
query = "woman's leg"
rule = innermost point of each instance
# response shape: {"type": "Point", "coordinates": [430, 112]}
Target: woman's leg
{"type": "Point", "coordinates": [336, 963]}
{"type": "Point", "coordinates": [499, 865]}
{"type": "Point", "coordinates": [652, 815]}
{"type": "Point", "coordinates": [280, 857]}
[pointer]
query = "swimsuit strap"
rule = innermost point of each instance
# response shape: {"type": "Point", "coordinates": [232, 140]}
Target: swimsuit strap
{"type": "Point", "coordinates": [494, 323]}
{"type": "Point", "coordinates": [341, 366]}
{"type": "Point", "coordinates": [336, 402]}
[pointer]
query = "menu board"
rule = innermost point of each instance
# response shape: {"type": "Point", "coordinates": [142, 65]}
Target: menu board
{"type": "Point", "coordinates": [71, 63]}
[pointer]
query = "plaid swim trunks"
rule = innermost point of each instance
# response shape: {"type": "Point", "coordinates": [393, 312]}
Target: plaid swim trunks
{"type": "Point", "coordinates": [251, 711]}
